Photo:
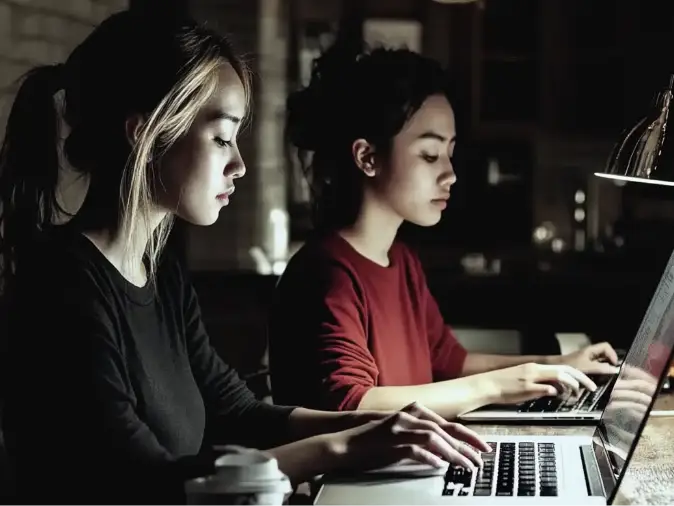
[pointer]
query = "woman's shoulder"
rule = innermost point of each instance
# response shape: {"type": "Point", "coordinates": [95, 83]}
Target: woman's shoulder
{"type": "Point", "coordinates": [57, 257]}
{"type": "Point", "coordinates": [326, 255]}
{"type": "Point", "coordinates": [323, 264]}
{"type": "Point", "coordinates": [56, 275]}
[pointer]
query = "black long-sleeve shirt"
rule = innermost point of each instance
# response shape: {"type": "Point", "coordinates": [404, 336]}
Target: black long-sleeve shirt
{"type": "Point", "coordinates": [112, 387]}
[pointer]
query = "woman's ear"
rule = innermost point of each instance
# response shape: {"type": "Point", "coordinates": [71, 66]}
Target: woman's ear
{"type": "Point", "coordinates": [363, 155]}
{"type": "Point", "coordinates": [133, 125]}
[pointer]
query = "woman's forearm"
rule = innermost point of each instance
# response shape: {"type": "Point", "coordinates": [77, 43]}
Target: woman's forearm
{"type": "Point", "coordinates": [306, 423]}
{"type": "Point", "coordinates": [477, 363]}
{"type": "Point", "coordinates": [447, 398]}
{"type": "Point", "coordinates": [305, 459]}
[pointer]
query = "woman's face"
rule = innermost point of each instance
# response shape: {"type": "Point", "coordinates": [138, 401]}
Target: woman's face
{"type": "Point", "coordinates": [199, 171]}
{"type": "Point", "coordinates": [414, 182]}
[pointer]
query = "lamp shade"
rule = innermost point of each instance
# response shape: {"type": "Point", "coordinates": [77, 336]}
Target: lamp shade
{"type": "Point", "coordinates": [645, 152]}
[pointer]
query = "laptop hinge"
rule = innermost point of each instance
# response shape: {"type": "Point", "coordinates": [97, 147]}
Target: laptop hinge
{"type": "Point", "coordinates": [603, 460]}
{"type": "Point", "coordinates": [595, 486]}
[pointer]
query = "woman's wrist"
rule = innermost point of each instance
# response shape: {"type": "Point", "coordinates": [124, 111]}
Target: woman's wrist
{"type": "Point", "coordinates": [553, 359]}
{"type": "Point", "coordinates": [357, 418]}
{"type": "Point", "coordinates": [488, 387]}
{"type": "Point", "coordinates": [334, 451]}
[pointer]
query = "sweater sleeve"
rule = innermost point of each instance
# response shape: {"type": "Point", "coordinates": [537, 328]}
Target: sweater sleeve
{"type": "Point", "coordinates": [318, 341]}
{"type": "Point", "coordinates": [237, 417]}
{"type": "Point", "coordinates": [447, 354]}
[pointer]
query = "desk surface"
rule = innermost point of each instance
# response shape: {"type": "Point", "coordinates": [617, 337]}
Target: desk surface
{"type": "Point", "coordinates": [650, 476]}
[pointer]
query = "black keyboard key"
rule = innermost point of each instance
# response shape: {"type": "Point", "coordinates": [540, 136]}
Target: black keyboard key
{"type": "Point", "coordinates": [482, 491]}
{"type": "Point", "coordinates": [458, 475]}
{"type": "Point", "coordinates": [548, 491]}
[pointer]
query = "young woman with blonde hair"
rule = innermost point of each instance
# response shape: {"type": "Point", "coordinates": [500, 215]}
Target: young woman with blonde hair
{"type": "Point", "coordinates": [113, 392]}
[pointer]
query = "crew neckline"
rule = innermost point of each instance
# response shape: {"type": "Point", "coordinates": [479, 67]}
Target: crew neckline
{"type": "Point", "coordinates": [142, 295]}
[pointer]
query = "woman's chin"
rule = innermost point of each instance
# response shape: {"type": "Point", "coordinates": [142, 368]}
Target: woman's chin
{"type": "Point", "coordinates": [428, 220]}
{"type": "Point", "coordinates": [201, 219]}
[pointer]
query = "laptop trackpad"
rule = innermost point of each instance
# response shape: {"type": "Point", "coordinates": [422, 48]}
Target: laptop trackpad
{"type": "Point", "coordinates": [409, 469]}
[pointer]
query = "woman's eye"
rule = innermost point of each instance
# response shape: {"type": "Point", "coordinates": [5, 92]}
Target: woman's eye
{"type": "Point", "coordinates": [430, 158]}
{"type": "Point", "coordinates": [222, 142]}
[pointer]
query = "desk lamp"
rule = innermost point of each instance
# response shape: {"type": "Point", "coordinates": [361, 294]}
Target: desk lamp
{"type": "Point", "coordinates": [644, 154]}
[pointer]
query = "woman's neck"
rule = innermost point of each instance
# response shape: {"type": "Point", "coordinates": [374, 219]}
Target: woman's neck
{"type": "Point", "coordinates": [99, 220]}
{"type": "Point", "coordinates": [373, 232]}
{"type": "Point", "coordinates": [127, 258]}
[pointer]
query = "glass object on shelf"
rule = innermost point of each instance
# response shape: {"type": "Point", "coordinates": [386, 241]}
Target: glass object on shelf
{"type": "Point", "coordinates": [544, 233]}
{"type": "Point", "coordinates": [545, 236]}
{"type": "Point", "coordinates": [557, 245]}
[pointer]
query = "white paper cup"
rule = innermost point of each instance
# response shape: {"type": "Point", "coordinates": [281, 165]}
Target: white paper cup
{"type": "Point", "coordinates": [242, 476]}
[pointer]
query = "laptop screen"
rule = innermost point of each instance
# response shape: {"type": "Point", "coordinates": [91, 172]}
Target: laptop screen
{"type": "Point", "coordinates": [640, 376]}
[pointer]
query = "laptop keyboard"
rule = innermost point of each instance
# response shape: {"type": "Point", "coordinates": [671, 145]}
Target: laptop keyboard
{"type": "Point", "coordinates": [510, 469]}
{"type": "Point", "coordinates": [587, 401]}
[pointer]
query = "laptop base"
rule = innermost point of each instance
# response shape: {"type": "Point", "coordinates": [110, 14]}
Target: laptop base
{"type": "Point", "coordinates": [375, 488]}
{"type": "Point", "coordinates": [509, 415]}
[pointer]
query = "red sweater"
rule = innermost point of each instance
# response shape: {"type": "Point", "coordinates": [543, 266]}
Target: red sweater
{"type": "Point", "coordinates": [341, 324]}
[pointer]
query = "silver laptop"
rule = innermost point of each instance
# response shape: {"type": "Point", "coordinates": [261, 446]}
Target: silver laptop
{"type": "Point", "coordinates": [583, 408]}
{"type": "Point", "coordinates": [560, 469]}
{"type": "Point", "coordinates": [586, 407]}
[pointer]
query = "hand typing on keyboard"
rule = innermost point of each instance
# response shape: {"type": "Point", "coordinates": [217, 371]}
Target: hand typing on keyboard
{"type": "Point", "coordinates": [415, 433]}
{"type": "Point", "coordinates": [525, 382]}
{"type": "Point", "coordinates": [598, 358]}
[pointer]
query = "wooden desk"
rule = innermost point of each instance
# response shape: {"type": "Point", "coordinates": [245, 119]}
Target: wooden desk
{"type": "Point", "coordinates": [650, 475]}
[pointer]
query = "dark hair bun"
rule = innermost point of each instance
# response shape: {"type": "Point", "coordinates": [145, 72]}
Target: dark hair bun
{"type": "Point", "coordinates": [324, 103]}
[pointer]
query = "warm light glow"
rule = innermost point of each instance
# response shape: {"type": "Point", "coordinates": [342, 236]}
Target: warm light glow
{"type": "Point", "coordinates": [635, 179]}
{"type": "Point", "coordinates": [280, 232]}
{"type": "Point", "coordinates": [278, 267]}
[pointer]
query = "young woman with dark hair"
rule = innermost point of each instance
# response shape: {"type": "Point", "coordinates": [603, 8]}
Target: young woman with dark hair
{"type": "Point", "coordinates": [354, 325]}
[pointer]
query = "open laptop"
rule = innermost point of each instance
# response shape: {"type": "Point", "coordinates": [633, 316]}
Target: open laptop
{"type": "Point", "coordinates": [586, 407]}
{"type": "Point", "coordinates": [559, 469]}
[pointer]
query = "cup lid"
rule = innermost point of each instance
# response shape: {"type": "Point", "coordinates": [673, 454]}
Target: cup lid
{"type": "Point", "coordinates": [242, 470]}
